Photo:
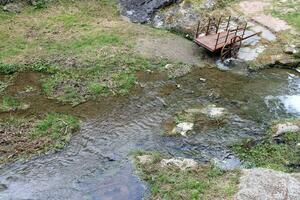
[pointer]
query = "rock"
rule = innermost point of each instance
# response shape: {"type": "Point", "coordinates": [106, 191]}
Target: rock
{"type": "Point", "coordinates": [226, 164]}
{"type": "Point", "coordinates": [183, 128]}
{"type": "Point", "coordinates": [298, 69]}
{"type": "Point", "coordinates": [193, 111]}
{"type": "Point", "coordinates": [169, 66]}
{"type": "Point", "coordinates": [289, 62]}
{"type": "Point", "coordinates": [213, 111]}
{"type": "Point", "coordinates": [181, 163]}
{"type": "Point", "coordinates": [202, 80]}
{"type": "Point", "coordinates": [145, 159]}
{"type": "Point", "coordinates": [266, 184]}
{"type": "Point", "coordinates": [181, 17]}
{"type": "Point", "coordinates": [141, 11]}
{"type": "Point", "coordinates": [285, 128]}
{"type": "Point", "coordinates": [12, 8]}
{"type": "Point", "coordinates": [290, 49]}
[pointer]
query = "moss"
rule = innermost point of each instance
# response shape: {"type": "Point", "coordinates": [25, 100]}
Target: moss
{"type": "Point", "coordinates": [206, 182]}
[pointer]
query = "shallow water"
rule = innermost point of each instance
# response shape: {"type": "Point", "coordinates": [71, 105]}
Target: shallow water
{"type": "Point", "coordinates": [97, 165]}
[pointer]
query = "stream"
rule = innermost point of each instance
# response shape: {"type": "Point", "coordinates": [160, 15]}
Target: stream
{"type": "Point", "coordinates": [97, 165]}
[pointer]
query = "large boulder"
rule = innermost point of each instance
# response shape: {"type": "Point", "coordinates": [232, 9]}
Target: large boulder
{"type": "Point", "coordinates": [266, 184]}
{"type": "Point", "coordinates": [141, 11]}
{"type": "Point", "coordinates": [287, 127]}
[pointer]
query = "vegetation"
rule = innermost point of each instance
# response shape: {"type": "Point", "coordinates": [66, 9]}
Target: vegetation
{"type": "Point", "coordinates": [206, 182]}
{"type": "Point", "coordinates": [11, 104]}
{"type": "Point", "coordinates": [25, 137]}
{"type": "Point", "coordinates": [88, 52]}
{"type": "Point", "coordinates": [276, 153]}
{"type": "Point", "coordinates": [288, 11]}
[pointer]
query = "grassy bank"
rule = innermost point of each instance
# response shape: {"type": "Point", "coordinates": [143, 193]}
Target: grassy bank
{"type": "Point", "coordinates": [280, 153]}
{"type": "Point", "coordinates": [25, 137]}
{"type": "Point", "coordinates": [204, 182]}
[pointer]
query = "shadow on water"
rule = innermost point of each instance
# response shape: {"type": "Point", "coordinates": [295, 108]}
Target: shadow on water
{"type": "Point", "coordinates": [96, 164]}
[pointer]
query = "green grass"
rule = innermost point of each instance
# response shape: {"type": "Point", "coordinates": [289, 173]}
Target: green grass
{"type": "Point", "coordinates": [98, 88]}
{"type": "Point", "coordinates": [206, 182]}
{"type": "Point", "coordinates": [268, 153]}
{"type": "Point", "coordinates": [11, 104]}
{"type": "Point", "coordinates": [85, 42]}
{"type": "Point", "coordinates": [57, 127]}
{"type": "Point", "coordinates": [9, 68]}
{"type": "Point", "coordinates": [293, 16]}
{"type": "Point", "coordinates": [26, 137]}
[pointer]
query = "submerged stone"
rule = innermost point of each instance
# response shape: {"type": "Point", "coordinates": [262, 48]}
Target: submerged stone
{"type": "Point", "coordinates": [213, 111]}
{"type": "Point", "coordinates": [183, 128]}
{"type": "Point", "coordinates": [227, 164]}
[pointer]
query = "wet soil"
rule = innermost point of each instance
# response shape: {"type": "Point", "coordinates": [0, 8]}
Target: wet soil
{"type": "Point", "coordinates": [96, 164]}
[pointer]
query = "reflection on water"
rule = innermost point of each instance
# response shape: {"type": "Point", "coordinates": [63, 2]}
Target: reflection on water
{"type": "Point", "coordinates": [289, 101]}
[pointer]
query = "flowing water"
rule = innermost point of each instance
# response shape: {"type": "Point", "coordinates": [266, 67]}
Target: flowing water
{"type": "Point", "coordinates": [96, 164]}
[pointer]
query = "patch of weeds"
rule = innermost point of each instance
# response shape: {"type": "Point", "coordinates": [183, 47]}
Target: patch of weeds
{"type": "Point", "coordinates": [24, 137]}
{"type": "Point", "coordinates": [57, 127]}
{"type": "Point", "coordinates": [9, 68]}
{"type": "Point", "coordinates": [98, 88]}
{"type": "Point", "coordinates": [39, 4]}
{"type": "Point", "coordinates": [282, 154]}
{"type": "Point", "coordinates": [42, 66]}
{"type": "Point", "coordinates": [12, 104]}
{"type": "Point", "coordinates": [170, 182]}
{"type": "Point", "coordinates": [124, 82]}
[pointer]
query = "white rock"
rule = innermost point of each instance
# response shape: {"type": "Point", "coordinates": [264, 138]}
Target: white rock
{"type": "Point", "coordinates": [202, 80]}
{"type": "Point", "coordinates": [183, 128]}
{"type": "Point", "coordinates": [193, 111]}
{"type": "Point", "coordinates": [181, 163]}
{"type": "Point", "coordinates": [285, 128]}
{"type": "Point", "coordinates": [168, 66]}
{"type": "Point", "coordinates": [214, 112]}
{"type": "Point", "coordinates": [145, 159]}
{"type": "Point", "coordinates": [266, 184]}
